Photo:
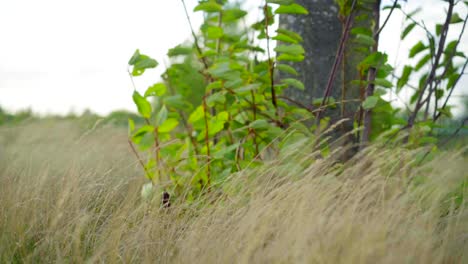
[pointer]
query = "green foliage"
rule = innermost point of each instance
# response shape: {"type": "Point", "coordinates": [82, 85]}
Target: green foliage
{"type": "Point", "coordinates": [140, 63]}
{"type": "Point", "coordinates": [218, 109]}
{"type": "Point", "coordinates": [9, 118]}
{"type": "Point", "coordinates": [435, 64]}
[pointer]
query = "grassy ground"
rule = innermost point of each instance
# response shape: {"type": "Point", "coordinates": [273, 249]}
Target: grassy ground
{"type": "Point", "coordinates": [72, 194]}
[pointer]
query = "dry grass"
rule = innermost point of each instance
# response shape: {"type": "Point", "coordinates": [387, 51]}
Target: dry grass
{"type": "Point", "coordinates": [71, 196]}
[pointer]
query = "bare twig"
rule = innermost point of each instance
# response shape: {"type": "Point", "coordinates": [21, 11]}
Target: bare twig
{"type": "Point", "coordinates": [395, 3]}
{"type": "Point", "coordinates": [271, 66]}
{"type": "Point", "coordinates": [338, 58]}
{"type": "Point", "coordinates": [371, 77]}
{"type": "Point", "coordinates": [432, 73]}
{"type": "Point", "coordinates": [451, 90]}
{"type": "Point", "coordinates": [138, 157]}
{"type": "Point", "coordinates": [195, 38]}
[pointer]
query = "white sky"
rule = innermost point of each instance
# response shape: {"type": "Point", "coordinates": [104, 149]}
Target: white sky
{"type": "Point", "coordinates": [58, 56]}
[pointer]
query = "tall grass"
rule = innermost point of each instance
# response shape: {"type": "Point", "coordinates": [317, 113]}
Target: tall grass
{"type": "Point", "coordinates": [69, 194]}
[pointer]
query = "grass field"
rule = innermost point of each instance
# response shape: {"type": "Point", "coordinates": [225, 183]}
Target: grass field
{"type": "Point", "coordinates": [70, 193]}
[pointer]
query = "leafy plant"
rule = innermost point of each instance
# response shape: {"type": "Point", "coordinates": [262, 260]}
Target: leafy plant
{"type": "Point", "coordinates": [195, 142]}
{"type": "Point", "coordinates": [220, 109]}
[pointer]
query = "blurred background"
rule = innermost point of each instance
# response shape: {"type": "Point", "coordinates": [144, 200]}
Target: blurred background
{"type": "Point", "coordinates": [64, 57]}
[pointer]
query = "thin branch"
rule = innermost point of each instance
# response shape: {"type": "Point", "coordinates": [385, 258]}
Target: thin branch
{"type": "Point", "coordinates": [371, 79]}
{"type": "Point", "coordinates": [451, 90]}
{"type": "Point", "coordinates": [432, 73]}
{"type": "Point", "coordinates": [138, 157]}
{"type": "Point", "coordinates": [338, 58]}
{"type": "Point", "coordinates": [207, 142]}
{"type": "Point", "coordinates": [195, 38]}
{"type": "Point", "coordinates": [386, 19]}
{"type": "Point", "coordinates": [450, 57]}
{"type": "Point", "coordinates": [271, 67]}
{"type": "Point", "coordinates": [289, 99]}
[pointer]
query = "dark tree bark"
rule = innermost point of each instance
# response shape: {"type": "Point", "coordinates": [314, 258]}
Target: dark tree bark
{"type": "Point", "coordinates": [322, 29]}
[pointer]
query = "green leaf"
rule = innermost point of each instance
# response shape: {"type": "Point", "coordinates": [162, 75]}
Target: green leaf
{"type": "Point", "coordinates": [214, 32]}
{"type": "Point", "coordinates": [179, 50]}
{"type": "Point", "coordinates": [456, 19]}
{"type": "Point", "coordinates": [453, 78]}
{"type": "Point", "coordinates": [365, 40]}
{"type": "Point", "coordinates": [232, 15]}
{"type": "Point", "coordinates": [214, 85]}
{"type": "Point", "coordinates": [157, 89]}
{"type": "Point", "coordinates": [407, 70]}
{"type": "Point", "coordinates": [208, 7]}
{"type": "Point", "coordinates": [168, 125]}
{"type": "Point", "coordinates": [285, 38]}
{"type": "Point", "coordinates": [375, 59]}
{"type": "Point", "coordinates": [175, 101]}
{"type": "Point", "coordinates": [294, 49]}
{"type": "Point", "coordinates": [362, 30]}
{"type": "Point", "coordinates": [445, 111]}
{"type": "Point", "coordinates": [134, 57]}
{"type": "Point", "coordinates": [290, 34]}
{"type": "Point", "coordinates": [287, 69]}
{"type": "Point", "coordinates": [161, 116]}
{"type": "Point", "coordinates": [221, 70]}
{"type": "Point", "coordinates": [407, 30]}
{"type": "Point", "coordinates": [141, 62]}
{"type": "Point", "coordinates": [423, 61]}
{"type": "Point", "coordinates": [423, 80]}
{"type": "Point", "coordinates": [217, 124]}
{"type": "Point", "coordinates": [293, 82]}
{"type": "Point", "coordinates": [417, 48]}
{"type": "Point", "coordinates": [439, 93]}
{"type": "Point", "coordinates": [370, 102]}
{"type": "Point", "coordinates": [439, 29]}
{"type": "Point", "coordinates": [216, 98]}
{"type": "Point", "coordinates": [141, 132]}
{"type": "Point", "coordinates": [383, 82]}
{"type": "Point", "coordinates": [196, 115]}
{"type": "Point", "coordinates": [451, 47]}
{"type": "Point", "coordinates": [247, 88]}
{"type": "Point", "coordinates": [144, 107]}
{"type": "Point", "coordinates": [209, 53]}
{"type": "Point", "coordinates": [289, 57]}
{"type": "Point", "coordinates": [260, 124]}
{"type": "Point", "coordinates": [131, 126]}
{"type": "Point", "coordinates": [291, 9]}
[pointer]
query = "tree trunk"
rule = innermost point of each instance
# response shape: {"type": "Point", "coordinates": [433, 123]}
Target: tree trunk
{"type": "Point", "coordinates": [322, 29]}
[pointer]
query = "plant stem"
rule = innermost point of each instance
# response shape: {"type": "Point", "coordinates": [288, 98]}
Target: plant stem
{"type": "Point", "coordinates": [338, 58]}
{"type": "Point", "coordinates": [138, 157]}
{"type": "Point", "coordinates": [207, 143]}
{"type": "Point", "coordinates": [195, 38]}
{"type": "Point", "coordinates": [376, 34]}
{"type": "Point", "coordinates": [432, 73]}
{"type": "Point", "coordinates": [271, 67]}
{"type": "Point", "coordinates": [254, 109]}
{"type": "Point", "coordinates": [451, 90]}
{"type": "Point", "coordinates": [371, 78]}
{"type": "Point", "coordinates": [156, 149]}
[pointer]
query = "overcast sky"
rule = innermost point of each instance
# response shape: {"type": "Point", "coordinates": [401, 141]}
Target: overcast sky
{"type": "Point", "coordinates": [58, 56]}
